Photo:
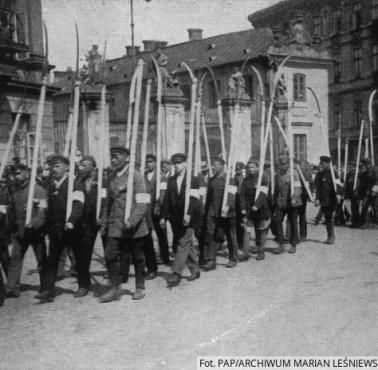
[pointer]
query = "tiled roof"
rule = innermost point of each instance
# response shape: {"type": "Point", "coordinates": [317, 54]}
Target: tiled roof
{"type": "Point", "coordinates": [228, 48]}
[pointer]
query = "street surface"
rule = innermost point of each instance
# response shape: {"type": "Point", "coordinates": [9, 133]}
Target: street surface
{"type": "Point", "coordinates": [323, 300]}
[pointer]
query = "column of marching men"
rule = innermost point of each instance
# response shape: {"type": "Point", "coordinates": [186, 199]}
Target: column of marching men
{"type": "Point", "coordinates": [243, 224]}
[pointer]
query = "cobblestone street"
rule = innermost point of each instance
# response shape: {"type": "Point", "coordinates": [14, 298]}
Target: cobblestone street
{"type": "Point", "coordinates": [320, 301]}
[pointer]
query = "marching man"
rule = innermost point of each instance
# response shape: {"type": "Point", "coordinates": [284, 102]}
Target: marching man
{"type": "Point", "coordinates": [124, 240]}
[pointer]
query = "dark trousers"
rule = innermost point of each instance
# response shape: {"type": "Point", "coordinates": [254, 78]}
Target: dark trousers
{"type": "Point", "coordinates": [149, 253]}
{"type": "Point", "coordinates": [186, 253]}
{"type": "Point", "coordinates": [328, 213]}
{"type": "Point", "coordinates": [20, 246]}
{"type": "Point", "coordinates": [162, 239]}
{"type": "Point", "coordinates": [355, 209]}
{"type": "Point", "coordinates": [302, 221]}
{"type": "Point", "coordinates": [260, 235]}
{"type": "Point", "coordinates": [292, 216]}
{"type": "Point", "coordinates": [239, 229]}
{"type": "Point", "coordinates": [118, 249]}
{"type": "Point", "coordinates": [213, 226]}
{"type": "Point", "coordinates": [4, 255]}
{"type": "Point", "coordinates": [59, 240]}
{"type": "Point", "coordinates": [83, 254]}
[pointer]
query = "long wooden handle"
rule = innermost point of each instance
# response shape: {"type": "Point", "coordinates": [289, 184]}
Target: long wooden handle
{"type": "Point", "coordinates": [71, 173]}
{"type": "Point", "coordinates": [37, 144]}
{"type": "Point", "coordinates": [207, 149]}
{"type": "Point", "coordinates": [145, 129]}
{"type": "Point", "coordinates": [221, 129]}
{"type": "Point", "coordinates": [67, 141]}
{"type": "Point", "coordinates": [100, 165]}
{"type": "Point", "coordinates": [10, 143]}
{"type": "Point", "coordinates": [358, 154]}
{"type": "Point", "coordinates": [134, 136]}
{"type": "Point", "coordinates": [197, 146]}
{"type": "Point", "coordinates": [346, 158]}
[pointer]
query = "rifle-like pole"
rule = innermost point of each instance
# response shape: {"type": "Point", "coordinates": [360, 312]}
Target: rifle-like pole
{"type": "Point", "coordinates": [208, 158]}
{"type": "Point", "coordinates": [134, 136]}
{"type": "Point", "coordinates": [358, 154]}
{"type": "Point", "coordinates": [130, 110]}
{"type": "Point", "coordinates": [339, 152]}
{"type": "Point", "coordinates": [158, 127]}
{"type": "Point", "coordinates": [145, 129]}
{"type": "Point", "coordinates": [67, 141]}
{"type": "Point", "coordinates": [291, 152]}
{"type": "Point", "coordinates": [346, 158]}
{"type": "Point", "coordinates": [191, 137]}
{"type": "Point", "coordinates": [10, 142]}
{"type": "Point", "coordinates": [371, 122]}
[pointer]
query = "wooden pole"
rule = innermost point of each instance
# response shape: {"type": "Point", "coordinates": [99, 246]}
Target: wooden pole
{"type": "Point", "coordinates": [158, 127]}
{"type": "Point", "coordinates": [145, 129]}
{"type": "Point", "coordinates": [197, 145]}
{"type": "Point", "coordinates": [130, 110]}
{"type": "Point", "coordinates": [71, 173]}
{"type": "Point", "coordinates": [37, 144]}
{"type": "Point", "coordinates": [221, 129]}
{"type": "Point", "coordinates": [371, 121]}
{"type": "Point", "coordinates": [367, 147]}
{"type": "Point", "coordinates": [208, 158]}
{"type": "Point", "coordinates": [346, 158]}
{"type": "Point", "coordinates": [134, 136]}
{"type": "Point", "coordinates": [10, 142]}
{"type": "Point", "coordinates": [100, 166]}
{"type": "Point", "coordinates": [339, 152]}
{"type": "Point", "coordinates": [291, 150]}
{"type": "Point", "coordinates": [358, 154]}
{"type": "Point", "coordinates": [68, 134]}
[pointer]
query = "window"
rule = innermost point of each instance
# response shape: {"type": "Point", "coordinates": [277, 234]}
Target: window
{"type": "Point", "coordinates": [357, 112]}
{"type": "Point", "coordinates": [357, 61]}
{"type": "Point", "coordinates": [374, 9]}
{"type": "Point", "coordinates": [187, 95]}
{"type": "Point", "coordinates": [300, 147]}
{"type": "Point", "coordinates": [317, 25]}
{"type": "Point", "coordinates": [249, 85]}
{"type": "Point", "coordinates": [325, 24]}
{"type": "Point", "coordinates": [299, 84]}
{"type": "Point", "coordinates": [337, 21]}
{"type": "Point", "coordinates": [356, 15]}
{"type": "Point", "coordinates": [213, 94]}
{"type": "Point", "coordinates": [336, 67]}
{"type": "Point", "coordinates": [375, 56]}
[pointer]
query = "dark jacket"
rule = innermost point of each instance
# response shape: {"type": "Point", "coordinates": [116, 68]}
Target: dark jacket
{"type": "Point", "coordinates": [173, 206]}
{"type": "Point", "coordinates": [57, 204]}
{"type": "Point", "coordinates": [325, 191]}
{"type": "Point", "coordinates": [248, 194]}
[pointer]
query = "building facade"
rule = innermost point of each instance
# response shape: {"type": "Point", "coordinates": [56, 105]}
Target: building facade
{"type": "Point", "coordinates": [348, 30]}
{"type": "Point", "coordinates": [307, 66]}
{"type": "Point", "coordinates": [21, 62]}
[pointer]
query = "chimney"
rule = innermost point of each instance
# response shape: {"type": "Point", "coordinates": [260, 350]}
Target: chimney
{"type": "Point", "coordinates": [152, 45]}
{"type": "Point", "coordinates": [195, 34]}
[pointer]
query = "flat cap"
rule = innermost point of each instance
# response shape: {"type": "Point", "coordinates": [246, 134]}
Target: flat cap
{"type": "Point", "coordinates": [240, 165]}
{"type": "Point", "coordinates": [365, 161]}
{"type": "Point", "coordinates": [178, 158]}
{"type": "Point", "coordinates": [20, 167]}
{"type": "Point", "coordinates": [325, 158]}
{"type": "Point", "coordinates": [58, 158]}
{"type": "Point", "coordinates": [119, 149]}
{"type": "Point", "coordinates": [253, 160]}
{"type": "Point", "coordinates": [151, 157]}
{"type": "Point", "coordinates": [89, 158]}
{"type": "Point", "coordinates": [283, 159]}
{"type": "Point", "coordinates": [219, 158]}
{"type": "Point", "coordinates": [165, 161]}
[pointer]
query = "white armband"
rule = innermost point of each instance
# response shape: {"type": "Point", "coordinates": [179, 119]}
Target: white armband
{"type": "Point", "coordinates": [337, 182]}
{"type": "Point", "coordinates": [143, 198]}
{"type": "Point", "coordinates": [297, 184]}
{"type": "Point", "coordinates": [3, 208]}
{"type": "Point", "coordinates": [163, 185]}
{"type": "Point", "coordinates": [103, 193]}
{"type": "Point", "coordinates": [375, 189]}
{"type": "Point", "coordinates": [202, 190]}
{"type": "Point", "coordinates": [232, 189]}
{"type": "Point", "coordinates": [42, 203]}
{"type": "Point", "coordinates": [78, 195]}
{"type": "Point", "coordinates": [264, 189]}
{"type": "Point", "coordinates": [194, 193]}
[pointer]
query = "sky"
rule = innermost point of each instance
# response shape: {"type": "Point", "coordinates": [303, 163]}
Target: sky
{"type": "Point", "coordinates": [166, 20]}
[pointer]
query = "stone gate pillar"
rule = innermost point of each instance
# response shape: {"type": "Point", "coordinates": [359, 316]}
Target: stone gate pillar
{"type": "Point", "coordinates": [244, 131]}
{"type": "Point", "coordinates": [173, 122]}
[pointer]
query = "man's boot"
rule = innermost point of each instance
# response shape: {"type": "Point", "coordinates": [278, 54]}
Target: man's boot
{"type": "Point", "coordinates": [330, 233]}
{"type": "Point", "coordinates": [113, 294]}
{"type": "Point", "coordinates": [278, 250]}
{"type": "Point", "coordinates": [293, 249]}
{"type": "Point", "coordinates": [114, 276]}
{"type": "Point", "coordinates": [261, 245]}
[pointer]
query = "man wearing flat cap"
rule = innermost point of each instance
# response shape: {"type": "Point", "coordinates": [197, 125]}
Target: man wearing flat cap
{"type": "Point", "coordinates": [351, 195]}
{"type": "Point", "coordinates": [25, 235]}
{"type": "Point", "coordinates": [62, 229]}
{"type": "Point", "coordinates": [216, 221]}
{"type": "Point", "coordinates": [239, 177]}
{"type": "Point", "coordinates": [326, 196]}
{"type": "Point", "coordinates": [125, 238]}
{"type": "Point", "coordinates": [184, 226]}
{"type": "Point", "coordinates": [368, 191]}
{"type": "Point", "coordinates": [150, 179]}
{"type": "Point", "coordinates": [287, 203]}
